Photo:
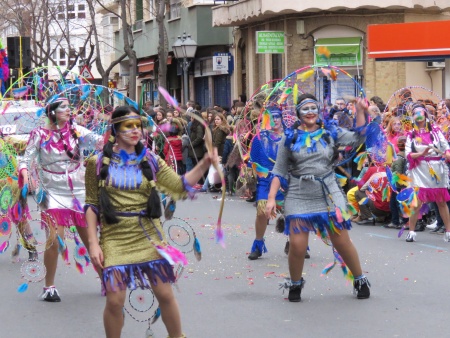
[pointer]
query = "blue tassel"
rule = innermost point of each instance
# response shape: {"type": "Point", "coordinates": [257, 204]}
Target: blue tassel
{"type": "Point", "coordinates": [22, 288]}
{"type": "Point", "coordinates": [156, 315]}
{"type": "Point", "coordinates": [61, 244]}
{"type": "Point", "coordinates": [197, 246]}
{"type": "Point", "coordinates": [25, 191]}
{"type": "Point", "coordinates": [131, 103]}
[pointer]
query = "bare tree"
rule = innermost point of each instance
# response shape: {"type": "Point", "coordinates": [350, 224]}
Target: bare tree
{"type": "Point", "coordinates": [50, 28]}
{"type": "Point", "coordinates": [162, 46]}
{"type": "Point", "coordinates": [104, 73]}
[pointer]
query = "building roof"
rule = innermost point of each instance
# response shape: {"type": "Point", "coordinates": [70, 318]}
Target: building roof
{"type": "Point", "coordinates": [248, 11]}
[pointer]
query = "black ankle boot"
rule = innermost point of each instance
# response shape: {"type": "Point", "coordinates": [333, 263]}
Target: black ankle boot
{"type": "Point", "coordinates": [362, 288]}
{"type": "Point", "coordinates": [295, 291]}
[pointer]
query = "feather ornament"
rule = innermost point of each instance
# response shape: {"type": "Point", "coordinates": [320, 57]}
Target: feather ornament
{"type": "Point", "coordinates": [295, 94]}
{"type": "Point", "coordinates": [324, 52]}
{"type": "Point", "coordinates": [22, 288]}
{"type": "Point", "coordinates": [197, 249]}
{"type": "Point", "coordinates": [305, 75]}
{"type": "Point", "coordinates": [342, 180]}
{"type": "Point", "coordinates": [156, 315]}
{"type": "Point", "coordinates": [339, 217]}
{"type": "Point", "coordinates": [285, 95]}
{"type": "Point", "coordinates": [333, 75]}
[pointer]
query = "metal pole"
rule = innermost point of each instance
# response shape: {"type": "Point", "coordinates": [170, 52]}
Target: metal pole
{"type": "Point", "coordinates": [185, 80]}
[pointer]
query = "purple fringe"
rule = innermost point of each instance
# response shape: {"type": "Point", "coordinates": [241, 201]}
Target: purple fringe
{"type": "Point", "coordinates": [67, 217]}
{"type": "Point", "coordinates": [433, 195]}
{"type": "Point", "coordinates": [191, 192]}
{"type": "Point", "coordinates": [94, 209]}
{"type": "Point", "coordinates": [315, 222]}
{"type": "Point", "coordinates": [138, 275]}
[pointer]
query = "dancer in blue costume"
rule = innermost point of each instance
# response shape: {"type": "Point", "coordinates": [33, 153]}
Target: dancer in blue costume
{"type": "Point", "coordinates": [314, 201]}
{"type": "Point", "coordinates": [263, 153]}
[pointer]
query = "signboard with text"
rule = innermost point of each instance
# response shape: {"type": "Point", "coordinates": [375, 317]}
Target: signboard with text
{"type": "Point", "coordinates": [270, 42]}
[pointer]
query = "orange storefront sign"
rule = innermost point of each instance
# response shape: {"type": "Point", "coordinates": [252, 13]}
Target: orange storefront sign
{"type": "Point", "coordinates": [413, 40]}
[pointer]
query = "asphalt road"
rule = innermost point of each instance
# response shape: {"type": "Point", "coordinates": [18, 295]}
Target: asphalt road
{"type": "Point", "coordinates": [226, 295]}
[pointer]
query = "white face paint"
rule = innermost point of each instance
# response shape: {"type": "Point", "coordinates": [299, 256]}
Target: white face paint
{"type": "Point", "coordinates": [63, 112]}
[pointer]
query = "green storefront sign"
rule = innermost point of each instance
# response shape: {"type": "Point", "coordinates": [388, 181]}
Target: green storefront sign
{"type": "Point", "coordinates": [343, 52]}
{"type": "Point", "coordinates": [269, 42]}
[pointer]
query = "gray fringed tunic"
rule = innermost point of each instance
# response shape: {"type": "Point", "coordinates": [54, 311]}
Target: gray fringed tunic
{"type": "Point", "coordinates": [311, 180]}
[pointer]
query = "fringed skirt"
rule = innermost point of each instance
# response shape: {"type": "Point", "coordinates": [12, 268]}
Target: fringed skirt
{"type": "Point", "coordinates": [315, 204]}
{"type": "Point", "coordinates": [140, 275]}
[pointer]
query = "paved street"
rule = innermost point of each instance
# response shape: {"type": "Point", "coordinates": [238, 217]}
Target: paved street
{"type": "Point", "coordinates": [226, 295]}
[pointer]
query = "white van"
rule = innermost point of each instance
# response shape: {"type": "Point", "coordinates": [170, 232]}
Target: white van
{"type": "Point", "coordinates": [18, 118]}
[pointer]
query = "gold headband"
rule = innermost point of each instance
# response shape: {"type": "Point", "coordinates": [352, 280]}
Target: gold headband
{"type": "Point", "coordinates": [125, 118]}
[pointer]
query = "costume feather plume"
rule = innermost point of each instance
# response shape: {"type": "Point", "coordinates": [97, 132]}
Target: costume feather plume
{"type": "Point", "coordinates": [156, 315]}
{"type": "Point", "coordinates": [295, 94]}
{"type": "Point", "coordinates": [400, 179]}
{"type": "Point", "coordinates": [363, 201]}
{"type": "Point", "coordinates": [305, 75]}
{"type": "Point", "coordinates": [324, 52]}
{"type": "Point", "coordinates": [333, 75]}
{"type": "Point", "coordinates": [197, 249]}
{"type": "Point", "coordinates": [4, 246]}
{"type": "Point", "coordinates": [266, 122]}
{"type": "Point", "coordinates": [360, 160]}
{"type": "Point", "coordinates": [328, 268]}
{"type": "Point", "coordinates": [339, 217]}
{"type": "Point", "coordinates": [341, 179]}
{"type": "Point", "coordinates": [22, 288]}
{"type": "Point", "coordinates": [259, 170]}
{"type": "Point", "coordinates": [326, 71]}
{"type": "Point", "coordinates": [352, 209]}
{"type": "Point", "coordinates": [390, 153]}
{"type": "Point", "coordinates": [285, 95]}
{"type": "Point", "coordinates": [20, 92]}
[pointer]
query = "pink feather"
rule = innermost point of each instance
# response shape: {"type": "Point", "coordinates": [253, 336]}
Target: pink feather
{"type": "Point", "coordinates": [161, 250]}
{"type": "Point", "coordinates": [339, 215]}
{"type": "Point", "coordinates": [79, 267]}
{"type": "Point", "coordinates": [177, 255]}
{"type": "Point", "coordinates": [170, 100]}
{"type": "Point", "coordinates": [4, 246]}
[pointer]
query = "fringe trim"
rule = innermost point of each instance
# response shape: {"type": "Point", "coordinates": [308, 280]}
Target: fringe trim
{"type": "Point", "coordinates": [260, 245]}
{"type": "Point", "coordinates": [67, 217]}
{"type": "Point", "coordinates": [261, 207]}
{"type": "Point", "coordinates": [138, 275]}
{"type": "Point", "coordinates": [433, 195]}
{"type": "Point", "coordinates": [315, 222]}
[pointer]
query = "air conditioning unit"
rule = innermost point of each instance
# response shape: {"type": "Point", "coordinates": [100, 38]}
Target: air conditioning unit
{"type": "Point", "coordinates": [435, 64]}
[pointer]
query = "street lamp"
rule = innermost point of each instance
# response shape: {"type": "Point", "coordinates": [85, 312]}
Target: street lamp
{"type": "Point", "coordinates": [184, 49]}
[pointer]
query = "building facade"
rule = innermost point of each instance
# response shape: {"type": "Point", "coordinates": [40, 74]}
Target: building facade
{"type": "Point", "coordinates": [205, 85]}
{"type": "Point", "coordinates": [339, 25]}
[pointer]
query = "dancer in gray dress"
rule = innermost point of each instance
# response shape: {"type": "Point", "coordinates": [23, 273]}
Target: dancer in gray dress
{"type": "Point", "coordinates": [314, 201]}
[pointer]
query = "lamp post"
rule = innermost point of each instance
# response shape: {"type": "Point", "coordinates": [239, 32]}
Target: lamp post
{"type": "Point", "coordinates": [184, 49]}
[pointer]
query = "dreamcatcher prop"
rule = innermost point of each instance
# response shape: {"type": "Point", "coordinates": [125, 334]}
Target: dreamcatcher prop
{"type": "Point", "coordinates": [324, 82]}
{"type": "Point", "coordinates": [91, 107]}
{"type": "Point", "coordinates": [401, 102]}
{"type": "Point", "coordinates": [181, 235]}
{"type": "Point", "coordinates": [141, 305]}
{"type": "Point", "coordinates": [5, 233]}
{"type": "Point", "coordinates": [32, 271]}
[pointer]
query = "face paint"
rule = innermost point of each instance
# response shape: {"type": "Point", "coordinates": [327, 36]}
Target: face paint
{"type": "Point", "coordinates": [130, 125]}
{"type": "Point", "coordinates": [419, 114]}
{"type": "Point", "coordinates": [305, 110]}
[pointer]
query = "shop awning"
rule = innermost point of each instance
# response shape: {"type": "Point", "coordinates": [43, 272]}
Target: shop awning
{"type": "Point", "coordinates": [343, 51]}
{"type": "Point", "coordinates": [412, 41]}
{"type": "Point", "coordinates": [146, 65]}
